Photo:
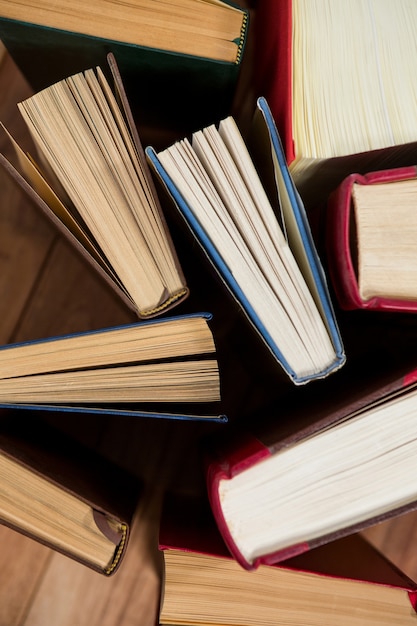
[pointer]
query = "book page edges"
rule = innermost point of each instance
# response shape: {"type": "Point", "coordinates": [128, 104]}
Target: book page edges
{"type": "Point", "coordinates": [338, 242]}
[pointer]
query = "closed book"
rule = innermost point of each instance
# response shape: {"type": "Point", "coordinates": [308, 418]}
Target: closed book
{"type": "Point", "coordinates": [336, 114]}
{"type": "Point", "coordinates": [317, 467]}
{"type": "Point", "coordinates": [64, 495]}
{"type": "Point", "coordinates": [369, 237]}
{"type": "Point", "coordinates": [347, 582]}
{"type": "Point", "coordinates": [164, 368]}
{"type": "Point", "coordinates": [189, 52]}
{"type": "Point", "coordinates": [252, 227]}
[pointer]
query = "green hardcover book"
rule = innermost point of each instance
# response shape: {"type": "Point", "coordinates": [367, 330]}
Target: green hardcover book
{"type": "Point", "coordinates": [179, 60]}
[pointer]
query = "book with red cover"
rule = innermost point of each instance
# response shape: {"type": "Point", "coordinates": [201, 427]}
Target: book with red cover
{"type": "Point", "coordinates": [316, 466]}
{"type": "Point", "coordinates": [347, 582]}
{"type": "Point", "coordinates": [274, 36]}
{"type": "Point", "coordinates": [341, 248]}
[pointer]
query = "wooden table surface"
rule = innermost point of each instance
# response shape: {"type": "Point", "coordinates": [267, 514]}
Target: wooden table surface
{"type": "Point", "coordinates": [45, 290]}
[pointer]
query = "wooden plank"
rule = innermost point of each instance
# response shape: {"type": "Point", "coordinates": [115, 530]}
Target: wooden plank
{"type": "Point", "coordinates": [25, 242]}
{"type": "Point", "coordinates": [25, 239]}
{"type": "Point", "coordinates": [69, 298]}
{"type": "Point", "coordinates": [22, 563]}
{"type": "Point", "coordinates": [397, 539]}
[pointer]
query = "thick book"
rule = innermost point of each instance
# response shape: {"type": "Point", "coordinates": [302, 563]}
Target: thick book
{"type": "Point", "coordinates": [327, 465]}
{"type": "Point", "coordinates": [336, 114]}
{"type": "Point", "coordinates": [371, 253]}
{"type": "Point", "coordinates": [89, 175]}
{"type": "Point", "coordinates": [64, 495]}
{"type": "Point", "coordinates": [188, 49]}
{"type": "Point", "coordinates": [163, 368]}
{"type": "Point", "coordinates": [244, 211]}
{"type": "Point", "coordinates": [347, 582]}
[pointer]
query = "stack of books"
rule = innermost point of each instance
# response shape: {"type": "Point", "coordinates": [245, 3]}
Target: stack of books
{"type": "Point", "coordinates": [226, 237]}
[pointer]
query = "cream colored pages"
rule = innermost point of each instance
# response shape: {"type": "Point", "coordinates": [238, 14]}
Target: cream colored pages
{"type": "Point", "coordinates": [386, 227]}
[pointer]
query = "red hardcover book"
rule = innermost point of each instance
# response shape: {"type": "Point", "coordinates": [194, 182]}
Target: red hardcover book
{"type": "Point", "coordinates": [343, 238]}
{"type": "Point", "coordinates": [347, 582]}
{"type": "Point", "coordinates": [336, 114]}
{"type": "Point", "coordinates": [332, 462]}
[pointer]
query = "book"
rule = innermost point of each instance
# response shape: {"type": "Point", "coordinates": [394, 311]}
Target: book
{"type": "Point", "coordinates": [190, 49]}
{"type": "Point", "coordinates": [272, 270]}
{"type": "Point", "coordinates": [64, 495]}
{"type": "Point", "coordinates": [347, 582]}
{"type": "Point", "coordinates": [142, 369]}
{"type": "Point", "coordinates": [90, 171]}
{"type": "Point", "coordinates": [318, 465]}
{"type": "Point", "coordinates": [336, 114]}
{"type": "Point", "coordinates": [369, 240]}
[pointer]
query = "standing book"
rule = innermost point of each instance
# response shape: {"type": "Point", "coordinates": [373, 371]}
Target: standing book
{"type": "Point", "coordinates": [338, 460]}
{"type": "Point", "coordinates": [348, 582]}
{"type": "Point", "coordinates": [91, 178]}
{"type": "Point", "coordinates": [335, 113]}
{"type": "Point", "coordinates": [252, 226]}
{"type": "Point", "coordinates": [189, 51]}
{"type": "Point", "coordinates": [64, 495]}
{"type": "Point", "coordinates": [370, 240]}
{"type": "Point", "coordinates": [160, 368]}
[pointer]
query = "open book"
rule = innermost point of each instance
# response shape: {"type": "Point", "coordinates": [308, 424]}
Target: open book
{"type": "Point", "coordinates": [91, 172]}
{"type": "Point", "coordinates": [370, 239]}
{"type": "Point", "coordinates": [270, 266]}
{"type": "Point", "coordinates": [128, 370]}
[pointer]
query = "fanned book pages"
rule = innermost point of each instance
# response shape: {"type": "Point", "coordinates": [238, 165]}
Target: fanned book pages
{"type": "Point", "coordinates": [90, 171]}
{"type": "Point", "coordinates": [145, 369]}
{"type": "Point", "coordinates": [340, 79]}
{"type": "Point", "coordinates": [273, 271]}
{"type": "Point", "coordinates": [370, 238]}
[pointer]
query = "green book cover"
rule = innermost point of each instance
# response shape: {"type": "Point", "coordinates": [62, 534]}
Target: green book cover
{"type": "Point", "coordinates": [167, 91]}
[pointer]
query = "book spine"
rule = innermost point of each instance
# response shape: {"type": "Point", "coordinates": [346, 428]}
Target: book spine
{"type": "Point", "coordinates": [273, 54]}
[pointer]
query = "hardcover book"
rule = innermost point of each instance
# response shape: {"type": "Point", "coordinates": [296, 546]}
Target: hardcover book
{"type": "Point", "coordinates": [160, 368]}
{"type": "Point", "coordinates": [333, 462]}
{"type": "Point", "coordinates": [247, 216]}
{"type": "Point", "coordinates": [62, 494]}
{"type": "Point", "coordinates": [90, 176]}
{"type": "Point", "coordinates": [335, 113]}
{"type": "Point", "coordinates": [371, 249]}
{"type": "Point", "coordinates": [187, 51]}
{"type": "Point", "coordinates": [347, 582]}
